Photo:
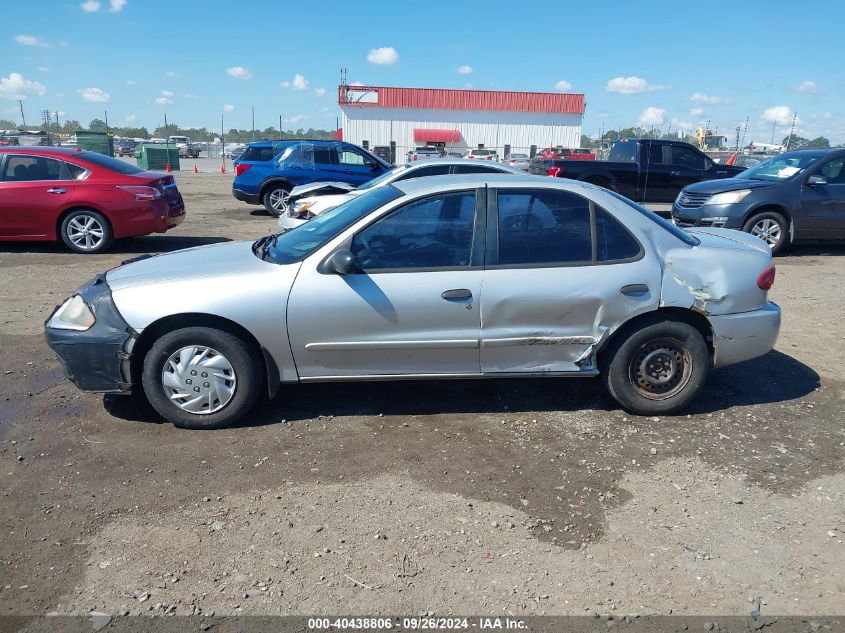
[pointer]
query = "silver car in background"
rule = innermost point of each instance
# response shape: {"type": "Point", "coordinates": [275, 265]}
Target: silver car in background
{"type": "Point", "coordinates": [479, 276]}
{"type": "Point", "coordinates": [311, 204]}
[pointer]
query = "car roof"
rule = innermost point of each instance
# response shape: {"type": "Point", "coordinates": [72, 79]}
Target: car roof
{"type": "Point", "coordinates": [460, 181]}
{"type": "Point", "coordinates": [273, 142]}
{"type": "Point", "coordinates": [461, 161]}
{"type": "Point", "coordinates": [42, 150]}
{"type": "Point", "coordinates": [812, 151]}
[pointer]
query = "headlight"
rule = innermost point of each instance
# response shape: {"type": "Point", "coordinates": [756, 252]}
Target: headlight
{"type": "Point", "coordinates": [73, 315]}
{"type": "Point", "coordinates": [728, 197]}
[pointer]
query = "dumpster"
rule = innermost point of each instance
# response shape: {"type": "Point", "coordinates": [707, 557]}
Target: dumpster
{"type": "Point", "coordinates": [157, 156]}
{"type": "Point", "coordinates": [100, 142]}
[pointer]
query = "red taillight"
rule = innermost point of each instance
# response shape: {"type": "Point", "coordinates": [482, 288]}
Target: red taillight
{"type": "Point", "coordinates": [141, 192]}
{"type": "Point", "coordinates": [414, 157]}
{"type": "Point", "coordinates": [554, 171]}
{"type": "Point", "coordinates": [767, 278]}
{"type": "Point", "coordinates": [241, 168]}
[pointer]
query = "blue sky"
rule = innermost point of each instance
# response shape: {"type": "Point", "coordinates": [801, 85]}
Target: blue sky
{"type": "Point", "coordinates": [652, 62]}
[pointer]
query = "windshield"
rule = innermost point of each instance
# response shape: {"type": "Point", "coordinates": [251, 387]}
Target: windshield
{"type": "Point", "coordinates": [101, 160]}
{"type": "Point", "coordinates": [292, 246]}
{"type": "Point", "coordinates": [388, 175]}
{"type": "Point", "coordinates": [673, 229]}
{"type": "Point", "coordinates": [780, 168]}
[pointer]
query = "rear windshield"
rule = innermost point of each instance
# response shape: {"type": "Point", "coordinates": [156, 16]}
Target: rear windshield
{"type": "Point", "coordinates": [101, 160]}
{"type": "Point", "coordinates": [674, 230]}
{"type": "Point", "coordinates": [388, 175]}
{"type": "Point", "coordinates": [258, 154]}
{"type": "Point", "coordinates": [623, 152]}
{"type": "Point", "coordinates": [295, 244]}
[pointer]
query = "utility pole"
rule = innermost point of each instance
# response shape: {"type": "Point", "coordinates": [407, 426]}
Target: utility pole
{"type": "Point", "coordinates": [253, 124]}
{"type": "Point", "coordinates": [23, 118]}
{"type": "Point", "coordinates": [106, 113]}
{"type": "Point", "coordinates": [774, 125]}
{"type": "Point", "coordinates": [280, 127]}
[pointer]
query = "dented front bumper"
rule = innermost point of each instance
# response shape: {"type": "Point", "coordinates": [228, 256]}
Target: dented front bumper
{"type": "Point", "coordinates": [96, 359]}
{"type": "Point", "coordinates": [744, 335]}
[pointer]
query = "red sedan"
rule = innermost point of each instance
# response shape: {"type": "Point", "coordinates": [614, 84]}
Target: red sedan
{"type": "Point", "coordinates": [82, 198]}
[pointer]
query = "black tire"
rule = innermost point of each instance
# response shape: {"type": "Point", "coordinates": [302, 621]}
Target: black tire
{"type": "Point", "coordinates": [680, 353]}
{"type": "Point", "coordinates": [245, 380]}
{"type": "Point", "coordinates": [73, 227]}
{"type": "Point", "coordinates": [764, 225]}
{"type": "Point", "coordinates": [269, 194]}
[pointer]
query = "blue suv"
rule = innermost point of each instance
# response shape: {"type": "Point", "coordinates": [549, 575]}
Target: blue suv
{"type": "Point", "coordinates": [267, 171]}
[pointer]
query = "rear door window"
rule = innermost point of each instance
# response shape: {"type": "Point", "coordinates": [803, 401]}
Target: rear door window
{"type": "Point", "coordinates": [476, 169]}
{"type": "Point", "coordinates": [258, 154]}
{"type": "Point", "coordinates": [613, 241]}
{"type": "Point", "coordinates": [20, 168]}
{"type": "Point", "coordinates": [422, 172]}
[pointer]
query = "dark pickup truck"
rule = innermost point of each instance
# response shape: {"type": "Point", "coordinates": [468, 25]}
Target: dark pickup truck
{"type": "Point", "coordinates": [644, 170]}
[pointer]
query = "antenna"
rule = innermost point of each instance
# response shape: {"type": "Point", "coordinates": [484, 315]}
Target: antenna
{"type": "Point", "coordinates": [343, 76]}
{"type": "Point", "coordinates": [791, 131]}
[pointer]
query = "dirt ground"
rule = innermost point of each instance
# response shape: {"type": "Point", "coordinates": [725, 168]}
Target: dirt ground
{"type": "Point", "coordinates": [501, 497]}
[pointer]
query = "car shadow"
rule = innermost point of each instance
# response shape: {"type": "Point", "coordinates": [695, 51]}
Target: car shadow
{"type": "Point", "coordinates": [133, 245]}
{"type": "Point", "coordinates": [773, 378]}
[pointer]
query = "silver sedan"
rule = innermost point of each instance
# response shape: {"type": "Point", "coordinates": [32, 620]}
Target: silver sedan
{"type": "Point", "coordinates": [480, 276]}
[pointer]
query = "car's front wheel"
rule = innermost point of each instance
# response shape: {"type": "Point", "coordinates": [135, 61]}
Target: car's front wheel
{"type": "Point", "coordinates": [276, 200]}
{"type": "Point", "coordinates": [86, 231]}
{"type": "Point", "coordinates": [771, 227]}
{"type": "Point", "coordinates": [201, 377]}
{"type": "Point", "coordinates": [657, 367]}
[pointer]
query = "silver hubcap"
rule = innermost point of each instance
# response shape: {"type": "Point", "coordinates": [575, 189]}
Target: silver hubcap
{"type": "Point", "coordinates": [768, 231]}
{"type": "Point", "coordinates": [279, 200]}
{"type": "Point", "coordinates": [199, 379]}
{"type": "Point", "coordinates": [661, 368]}
{"type": "Point", "coordinates": [85, 232]}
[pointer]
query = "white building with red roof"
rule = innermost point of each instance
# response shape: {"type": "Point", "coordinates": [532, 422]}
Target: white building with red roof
{"type": "Point", "coordinates": [459, 119]}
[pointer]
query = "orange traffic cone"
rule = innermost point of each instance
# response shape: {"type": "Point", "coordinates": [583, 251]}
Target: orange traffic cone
{"type": "Point", "coordinates": [222, 169]}
{"type": "Point", "coordinates": [167, 168]}
{"type": "Point", "coordinates": [196, 171]}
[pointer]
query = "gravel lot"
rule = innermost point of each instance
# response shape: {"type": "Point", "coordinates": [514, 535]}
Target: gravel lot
{"type": "Point", "coordinates": [521, 497]}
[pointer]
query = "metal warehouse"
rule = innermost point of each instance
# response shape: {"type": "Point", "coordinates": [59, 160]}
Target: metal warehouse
{"type": "Point", "coordinates": [456, 120]}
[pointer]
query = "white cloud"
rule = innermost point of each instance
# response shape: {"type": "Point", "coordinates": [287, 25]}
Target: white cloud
{"type": "Point", "coordinates": [16, 87]}
{"type": "Point", "coordinates": [681, 125]}
{"type": "Point", "coordinates": [117, 5]}
{"type": "Point", "coordinates": [463, 70]}
{"type": "Point", "coordinates": [807, 86]}
{"type": "Point", "coordinates": [563, 86]}
{"type": "Point", "coordinates": [90, 6]}
{"type": "Point", "coordinates": [94, 95]}
{"type": "Point", "coordinates": [631, 85]}
{"type": "Point", "coordinates": [384, 56]}
{"type": "Point", "coordinates": [300, 83]}
{"type": "Point", "coordinates": [164, 98]}
{"type": "Point", "coordinates": [43, 69]}
{"type": "Point", "coordinates": [239, 72]}
{"type": "Point", "coordinates": [652, 116]}
{"type": "Point", "coordinates": [130, 119]}
{"type": "Point", "coordinates": [700, 97]}
{"type": "Point", "coordinates": [296, 118]}
{"type": "Point", "coordinates": [696, 111]}
{"type": "Point", "coordinates": [778, 114]}
{"type": "Point", "coordinates": [130, 82]}
{"type": "Point", "coordinates": [166, 93]}
{"type": "Point", "coordinates": [320, 92]}
{"type": "Point", "coordinates": [171, 73]}
{"type": "Point", "coordinates": [228, 108]}
{"type": "Point", "coordinates": [31, 40]}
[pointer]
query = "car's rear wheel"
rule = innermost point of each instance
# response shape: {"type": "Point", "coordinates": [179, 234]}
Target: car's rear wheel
{"type": "Point", "coordinates": [86, 231]}
{"type": "Point", "coordinates": [656, 367]}
{"type": "Point", "coordinates": [771, 227]}
{"type": "Point", "coordinates": [276, 199]}
{"type": "Point", "coordinates": [201, 378]}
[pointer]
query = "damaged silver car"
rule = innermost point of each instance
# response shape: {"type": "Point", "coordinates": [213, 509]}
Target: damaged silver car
{"type": "Point", "coordinates": [480, 276]}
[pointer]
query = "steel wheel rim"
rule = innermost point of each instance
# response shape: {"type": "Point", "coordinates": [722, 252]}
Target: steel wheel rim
{"type": "Point", "coordinates": [279, 200]}
{"type": "Point", "coordinates": [199, 379]}
{"type": "Point", "coordinates": [661, 368]}
{"type": "Point", "coordinates": [767, 230]}
{"type": "Point", "coordinates": [85, 232]}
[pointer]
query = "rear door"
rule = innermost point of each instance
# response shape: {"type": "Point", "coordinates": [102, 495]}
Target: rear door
{"type": "Point", "coordinates": [655, 172]}
{"type": "Point", "coordinates": [560, 273]}
{"type": "Point", "coordinates": [33, 191]}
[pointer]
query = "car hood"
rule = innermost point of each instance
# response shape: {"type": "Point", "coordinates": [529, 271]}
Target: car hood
{"type": "Point", "coordinates": [728, 238]}
{"type": "Point", "coordinates": [309, 189]}
{"type": "Point", "coordinates": [726, 184]}
{"type": "Point", "coordinates": [200, 261]}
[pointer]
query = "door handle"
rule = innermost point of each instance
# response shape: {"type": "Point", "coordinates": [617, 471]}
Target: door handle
{"type": "Point", "coordinates": [634, 289]}
{"type": "Point", "coordinates": [57, 190]}
{"type": "Point", "coordinates": [456, 295]}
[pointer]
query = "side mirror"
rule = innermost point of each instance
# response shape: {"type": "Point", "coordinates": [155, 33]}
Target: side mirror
{"type": "Point", "coordinates": [816, 180]}
{"type": "Point", "coordinates": [342, 262]}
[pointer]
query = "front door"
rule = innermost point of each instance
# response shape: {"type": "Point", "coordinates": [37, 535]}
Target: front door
{"type": "Point", "coordinates": [33, 190]}
{"type": "Point", "coordinates": [412, 307]}
{"type": "Point", "coordinates": [688, 166]}
{"type": "Point", "coordinates": [551, 290]}
{"type": "Point", "coordinates": [822, 214]}
{"type": "Point", "coordinates": [355, 166]}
